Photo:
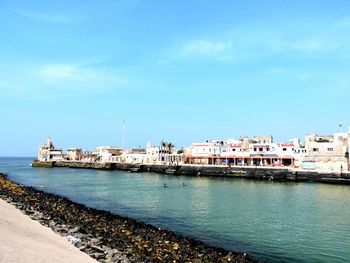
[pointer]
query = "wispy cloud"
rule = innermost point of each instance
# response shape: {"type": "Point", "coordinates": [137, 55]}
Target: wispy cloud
{"type": "Point", "coordinates": [343, 23]}
{"type": "Point", "coordinates": [261, 40]}
{"type": "Point", "coordinates": [287, 73]}
{"type": "Point", "coordinates": [220, 50]}
{"type": "Point", "coordinates": [59, 80]}
{"type": "Point", "coordinates": [307, 45]}
{"type": "Point", "coordinates": [54, 18]}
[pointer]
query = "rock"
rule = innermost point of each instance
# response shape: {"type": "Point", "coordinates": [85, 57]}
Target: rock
{"type": "Point", "coordinates": [109, 237]}
{"type": "Point", "coordinates": [82, 247]}
{"type": "Point", "coordinates": [73, 230]}
{"type": "Point", "coordinates": [75, 241]}
{"type": "Point", "coordinates": [100, 249]}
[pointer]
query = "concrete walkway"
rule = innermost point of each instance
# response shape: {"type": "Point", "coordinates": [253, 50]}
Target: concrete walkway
{"type": "Point", "coordinates": [23, 240]}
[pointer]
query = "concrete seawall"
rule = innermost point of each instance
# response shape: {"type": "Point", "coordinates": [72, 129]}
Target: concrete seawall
{"type": "Point", "coordinates": [259, 173]}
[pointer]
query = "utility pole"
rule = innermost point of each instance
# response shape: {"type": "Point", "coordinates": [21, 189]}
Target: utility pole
{"type": "Point", "coordinates": [123, 133]}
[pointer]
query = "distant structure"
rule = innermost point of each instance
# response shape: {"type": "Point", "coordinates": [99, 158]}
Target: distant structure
{"type": "Point", "coordinates": [263, 139]}
{"type": "Point", "coordinates": [319, 153]}
{"type": "Point", "coordinates": [73, 154]}
{"type": "Point", "coordinates": [329, 153]}
{"type": "Point", "coordinates": [48, 152]}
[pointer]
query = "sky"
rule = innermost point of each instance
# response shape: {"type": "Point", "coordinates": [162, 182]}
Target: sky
{"type": "Point", "coordinates": [179, 71]}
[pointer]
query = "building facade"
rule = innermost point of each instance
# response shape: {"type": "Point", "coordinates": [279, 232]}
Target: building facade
{"type": "Point", "coordinates": [48, 152]}
{"type": "Point", "coordinates": [327, 153]}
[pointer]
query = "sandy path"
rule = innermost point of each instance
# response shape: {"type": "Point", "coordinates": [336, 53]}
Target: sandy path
{"type": "Point", "coordinates": [25, 240]}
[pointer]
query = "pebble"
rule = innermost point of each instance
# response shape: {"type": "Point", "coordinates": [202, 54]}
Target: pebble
{"type": "Point", "coordinates": [109, 237]}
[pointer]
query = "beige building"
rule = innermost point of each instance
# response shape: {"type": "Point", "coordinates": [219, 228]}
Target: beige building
{"type": "Point", "coordinates": [329, 153]}
{"type": "Point", "coordinates": [73, 154]}
{"type": "Point", "coordinates": [263, 139]}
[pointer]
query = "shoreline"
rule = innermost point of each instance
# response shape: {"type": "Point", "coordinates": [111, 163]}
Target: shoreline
{"type": "Point", "coordinates": [283, 174]}
{"type": "Point", "coordinates": [109, 237]}
{"type": "Point", "coordinates": [25, 240]}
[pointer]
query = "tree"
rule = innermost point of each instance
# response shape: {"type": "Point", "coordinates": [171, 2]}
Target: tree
{"type": "Point", "coordinates": [180, 151]}
{"type": "Point", "coordinates": [170, 147]}
{"type": "Point", "coordinates": [163, 146]}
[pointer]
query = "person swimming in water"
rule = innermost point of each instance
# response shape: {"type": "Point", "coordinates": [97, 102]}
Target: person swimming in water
{"type": "Point", "coordinates": [165, 186]}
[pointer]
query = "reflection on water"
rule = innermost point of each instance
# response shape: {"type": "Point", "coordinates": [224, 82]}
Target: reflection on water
{"type": "Point", "coordinates": [277, 222]}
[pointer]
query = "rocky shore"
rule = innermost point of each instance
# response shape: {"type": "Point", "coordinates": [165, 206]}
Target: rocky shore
{"type": "Point", "coordinates": [109, 237]}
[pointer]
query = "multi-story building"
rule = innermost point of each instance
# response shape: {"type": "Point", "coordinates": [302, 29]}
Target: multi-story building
{"type": "Point", "coordinates": [260, 151]}
{"type": "Point", "coordinates": [204, 153]}
{"type": "Point", "coordinates": [108, 153]}
{"type": "Point", "coordinates": [327, 153]}
{"type": "Point", "coordinates": [48, 152]}
{"type": "Point", "coordinates": [73, 154]}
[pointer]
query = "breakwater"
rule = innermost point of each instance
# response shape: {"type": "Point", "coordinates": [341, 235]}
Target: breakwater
{"type": "Point", "coordinates": [259, 173]}
{"type": "Point", "coordinates": [108, 237]}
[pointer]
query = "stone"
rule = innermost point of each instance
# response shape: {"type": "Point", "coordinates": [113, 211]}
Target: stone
{"type": "Point", "coordinates": [109, 237]}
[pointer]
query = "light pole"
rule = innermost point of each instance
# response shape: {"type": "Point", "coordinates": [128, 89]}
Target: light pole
{"type": "Point", "coordinates": [123, 133]}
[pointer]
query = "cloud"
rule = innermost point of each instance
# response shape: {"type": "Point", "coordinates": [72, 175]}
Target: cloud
{"type": "Point", "coordinates": [305, 45]}
{"type": "Point", "coordinates": [206, 48]}
{"type": "Point", "coordinates": [58, 80]}
{"type": "Point", "coordinates": [287, 73]}
{"type": "Point", "coordinates": [343, 23]}
{"type": "Point", "coordinates": [261, 40]}
{"type": "Point", "coordinates": [54, 18]}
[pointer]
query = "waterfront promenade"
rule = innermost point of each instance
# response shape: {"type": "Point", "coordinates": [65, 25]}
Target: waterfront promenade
{"type": "Point", "coordinates": [25, 240]}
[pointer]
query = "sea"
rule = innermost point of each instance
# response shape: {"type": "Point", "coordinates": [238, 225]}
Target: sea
{"type": "Point", "coordinates": [270, 221]}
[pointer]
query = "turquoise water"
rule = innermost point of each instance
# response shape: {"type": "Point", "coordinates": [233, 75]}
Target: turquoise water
{"type": "Point", "coordinates": [275, 222]}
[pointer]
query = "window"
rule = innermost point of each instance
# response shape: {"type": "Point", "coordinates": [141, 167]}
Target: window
{"type": "Point", "coordinates": [330, 149]}
{"type": "Point", "coordinates": [315, 149]}
{"type": "Point", "coordinates": [233, 150]}
{"type": "Point", "coordinates": [284, 149]}
{"type": "Point", "coordinates": [267, 149]}
{"type": "Point", "coordinates": [254, 149]}
{"type": "Point", "coordinates": [260, 149]}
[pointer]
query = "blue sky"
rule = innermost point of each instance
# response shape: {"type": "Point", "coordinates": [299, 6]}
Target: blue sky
{"type": "Point", "coordinates": [182, 71]}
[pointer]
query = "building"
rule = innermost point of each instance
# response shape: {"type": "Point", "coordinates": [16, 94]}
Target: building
{"type": "Point", "coordinates": [73, 154]}
{"type": "Point", "coordinates": [163, 154]}
{"type": "Point", "coordinates": [204, 153]}
{"type": "Point", "coordinates": [260, 151]}
{"type": "Point", "coordinates": [108, 153]}
{"type": "Point", "coordinates": [48, 152]}
{"type": "Point", "coordinates": [263, 139]}
{"type": "Point", "coordinates": [327, 153]}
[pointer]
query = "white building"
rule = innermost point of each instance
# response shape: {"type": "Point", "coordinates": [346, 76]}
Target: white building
{"type": "Point", "coordinates": [204, 153]}
{"type": "Point", "coordinates": [108, 153]}
{"type": "Point", "coordinates": [260, 151]}
{"type": "Point", "coordinates": [48, 152]}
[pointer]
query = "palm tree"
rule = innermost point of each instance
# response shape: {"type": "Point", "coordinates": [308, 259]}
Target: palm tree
{"type": "Point", "coordinates": [170, 147]}
{"type": "Point", "coordinates": [163, 145]}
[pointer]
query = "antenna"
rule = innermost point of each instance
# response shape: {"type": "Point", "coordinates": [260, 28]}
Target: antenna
{"type": "Point", "coordinates": [123, 133]}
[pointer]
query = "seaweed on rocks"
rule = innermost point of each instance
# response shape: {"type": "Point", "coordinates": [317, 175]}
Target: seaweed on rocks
{"type": "Point", "coordinates": [109, 237]}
